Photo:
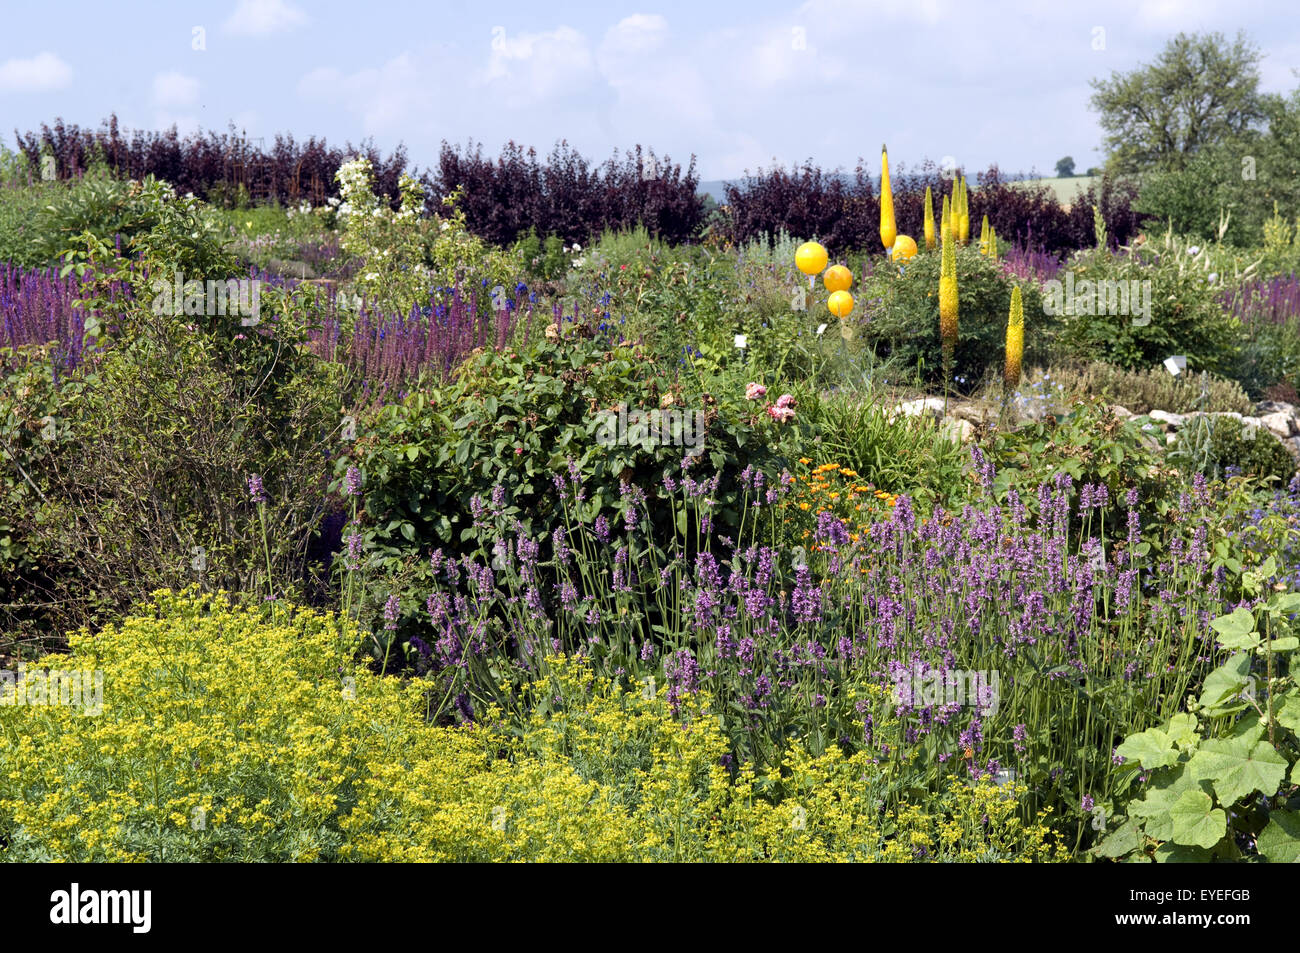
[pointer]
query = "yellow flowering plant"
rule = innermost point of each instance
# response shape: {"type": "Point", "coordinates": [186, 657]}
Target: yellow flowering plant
{"type": "Point", "coordinates": [230, 734]}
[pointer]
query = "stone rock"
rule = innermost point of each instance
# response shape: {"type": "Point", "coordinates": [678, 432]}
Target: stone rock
{"type": "Point", "coordinates": [1171, 438]}
{"type": "Point", "coordinates": [933, 406]}
{"type": "Point", "coordinates": [1293, 444]}
{"type": "Point", "coordinates": [1281, 423]}
{"type": "Point", "coordinates": [1121, 411]}
{"type": "Point", "coordinates": [955, 428]}
{"type": "Point", "coordinates": [971, 412]}
{"type": "Point", "coordinates": [1274, 407]}
{"type": "Point", "coordinates": [1172, 420]}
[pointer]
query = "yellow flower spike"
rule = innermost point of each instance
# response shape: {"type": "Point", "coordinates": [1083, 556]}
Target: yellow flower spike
{"type": "Point", "coordinates": [993, 244]}
{"type": "Point", "coordinates": [888, 230]}
{"type": "Point", "coordinates": [984, 236]}
{"type": "Point", "coordinates": [929, 219]}
{"type": "Point", "coordinates": [1015, 341]}
{"type": "Point", "coordinates": [948, 294]}
{"type": "Point", "coordinates": [945, 223]}
{"type": "Point", "coordinates": [964, 223]}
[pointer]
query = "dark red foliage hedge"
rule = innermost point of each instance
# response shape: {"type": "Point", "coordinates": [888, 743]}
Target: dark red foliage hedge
{"type": "Point", "coordinates": [214, 166]}
{"type": "Point", "coordinates": [568, 196]}
{"type": "Point", "coordinates": [844, 212]}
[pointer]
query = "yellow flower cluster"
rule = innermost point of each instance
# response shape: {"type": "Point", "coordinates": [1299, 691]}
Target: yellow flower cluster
{"type": "Point", "coordinates": [245, 733]}
{"type": "Point", "coordinates": [839, 489]}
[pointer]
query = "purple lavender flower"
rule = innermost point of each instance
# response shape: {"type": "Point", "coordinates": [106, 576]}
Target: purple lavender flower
{"type": "Point", "coordinates": [255, 489]}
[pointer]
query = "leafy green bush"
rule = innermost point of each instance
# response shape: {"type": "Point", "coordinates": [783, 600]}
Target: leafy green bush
{"type": "Point", "coordinates": [900, 316]}
{"type": "Point", "coordinates": [512, 426]}
{"type": "Point", "coordinates": [97, 204]}
{"type": "Point", "coordinates": [135, 479]}
{"type": "Point", "coordinates": [1141, 391]}
{"type": "Point", "coordinates": [674, 299]}
{"type": "Point", "coordinates": [1219, 781]}
{"type": "Point", "coordinates": [1093, 447]}
{"type": "Point", "coordinates": [545, 259]}
{"type": "Point", "coordinates": [21, 208]}
{"type": "Point", "coordinates": [1185, 315]}
{"type": "Point", "coordinates": [1212, 444]}
{"type": "Point", "coordinates": [1269, 356]}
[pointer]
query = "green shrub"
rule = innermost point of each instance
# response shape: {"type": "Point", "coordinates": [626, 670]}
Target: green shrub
{"type": "Point", "coordinates": [545, 259]}
{"type": "Point", "coordinates": [900, 316]}
{"type": "Point", "coordinates": [1212, 444]}
{"type": "Point", "coordinates": [1269, 355]}
{"type": "Point", "coordinates": [1141, 391]}
{"type": "Point", "coordinates": [1092, 446]}
{"type": "Point", "coordinates": [1186, 316]}
{"type": "Point", "coordinates": [135, 479]}
{"type": "Point", "coordinates": [514, 425]}
{"type": "Point", "coordinates": [98, 204]}
{"type": "Point", "coordinates": [21, 208]}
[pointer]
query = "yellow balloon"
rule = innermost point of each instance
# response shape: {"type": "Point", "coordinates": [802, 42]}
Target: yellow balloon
{"type": "Point", "coordinates": [838, 278]}
{"type": "Point", "coordinates": [810, 258]}
{"type": "Point", "coordinates": [904, 248]}
{"type": "Point", "coordinates": [841, 304]}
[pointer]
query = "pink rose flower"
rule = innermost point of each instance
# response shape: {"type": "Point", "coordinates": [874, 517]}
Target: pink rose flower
{"type": "Point", "coordinates": [755, 391]}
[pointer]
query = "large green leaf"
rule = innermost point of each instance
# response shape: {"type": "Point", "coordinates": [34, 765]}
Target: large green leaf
{"type": "Point", "coordinates": [1196, 821]}
{"type": "Point", "coordinates": [1225, 684]}
{"type": "Point", "coordinates": [1236, 630]}
{"type": "Point", "coordinates": [1279, 842]}
{"type": "Point", "coordinates": [1239, 766]}
{"type": "Point", "coordinates": [1152, 748]}
{"type": "Point", "coordinates": [1166, 788]}
{"type": "Point", "coordinates": [1287, 710]}
{"type": "Point", "coordinates": [1121, 841]}
{"type": "Point", "coordinates": [1182, 730]}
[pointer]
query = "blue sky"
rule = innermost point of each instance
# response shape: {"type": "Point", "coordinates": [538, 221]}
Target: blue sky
{"type": "Point", "coordinates": [738, 84]}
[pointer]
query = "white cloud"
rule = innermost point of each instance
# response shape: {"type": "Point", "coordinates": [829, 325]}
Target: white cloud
{"type": "Point", "coordinates": [386, 98]}
{"type": "Point", "coordinates": [42, 72]}
{"type": "Point", "coordinates": [525, 69]}
{"type": "Point", "coordinates": [263, 17]}
{"type": "Point", "coordinates": [175, 89]}
{"type": "Point", "coordinates": [636, 35]}
{"type": "Point", "coordinates": [654, 77]}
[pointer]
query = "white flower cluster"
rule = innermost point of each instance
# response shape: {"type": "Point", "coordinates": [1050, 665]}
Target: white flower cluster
{"type": "Point", "coordinates": [355, 178]}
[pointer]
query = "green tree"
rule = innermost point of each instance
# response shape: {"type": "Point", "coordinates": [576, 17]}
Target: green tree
{"type": "Point", "coordinates": [1201, 91]}
{"type": "Point", "coordinates": [1065, 167]}
{"type": "Point", "coordinates": [1242, 179]}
